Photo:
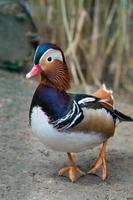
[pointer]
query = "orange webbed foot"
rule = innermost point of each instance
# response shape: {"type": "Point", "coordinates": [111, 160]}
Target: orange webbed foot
{"type": "Point", "coordinates": [74, 172]}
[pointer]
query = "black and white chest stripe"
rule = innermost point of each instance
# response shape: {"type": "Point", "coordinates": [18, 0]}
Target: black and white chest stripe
{"type": "Point", "coordinates": [75, 115]}
{"type": "Point", "coordinates": [72, 118]}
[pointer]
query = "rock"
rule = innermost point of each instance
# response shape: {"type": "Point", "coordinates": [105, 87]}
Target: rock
{"type": "Point", "coordinates": [16, 31]}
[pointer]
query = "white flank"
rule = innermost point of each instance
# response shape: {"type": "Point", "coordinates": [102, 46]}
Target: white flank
{"type": "Point", "coordinates": [61, 141]}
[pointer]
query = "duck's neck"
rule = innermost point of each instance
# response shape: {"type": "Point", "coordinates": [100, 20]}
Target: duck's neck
{"type": "Point", "coordinates": [60, 78]}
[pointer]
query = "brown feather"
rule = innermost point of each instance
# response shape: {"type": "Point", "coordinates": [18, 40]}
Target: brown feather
{"type": "Point", "coordinates": [95, 121]}
{"type": "Point", "coordinates": [104, 94]}
{"type": "Point", "coordinates": [56, 74]}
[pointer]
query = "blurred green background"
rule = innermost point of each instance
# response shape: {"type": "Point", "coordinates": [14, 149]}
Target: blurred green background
{"type": "Point", "coordinates": [95, 35]}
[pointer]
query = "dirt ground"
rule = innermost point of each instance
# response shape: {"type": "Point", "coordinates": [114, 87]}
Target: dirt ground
{"type": "Point", "coordinates": [28, 170]}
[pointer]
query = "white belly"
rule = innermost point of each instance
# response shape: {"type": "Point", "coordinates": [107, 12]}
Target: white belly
{"type": "Point", "coordinates": [61, 141]}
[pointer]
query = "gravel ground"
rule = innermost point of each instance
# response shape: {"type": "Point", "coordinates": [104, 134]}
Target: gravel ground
{"type": "Point", "coordinates": [28, 170]}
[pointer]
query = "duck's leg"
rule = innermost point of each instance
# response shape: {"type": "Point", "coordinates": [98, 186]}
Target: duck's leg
{"type": "Point", "coordinates": [100, 162]}
{"type": "Point", "coordinates": [74, 172]}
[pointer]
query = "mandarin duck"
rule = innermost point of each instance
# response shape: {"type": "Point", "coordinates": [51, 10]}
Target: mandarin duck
{"type": "Point", "coordinates": [69, 122]}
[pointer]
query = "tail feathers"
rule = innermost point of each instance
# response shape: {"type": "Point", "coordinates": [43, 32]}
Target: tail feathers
{"type": "Point", "coordinates": [122, 117]}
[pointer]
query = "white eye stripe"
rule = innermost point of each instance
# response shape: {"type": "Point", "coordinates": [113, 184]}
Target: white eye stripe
{"type": "Point", "coordinates": [53, 53]}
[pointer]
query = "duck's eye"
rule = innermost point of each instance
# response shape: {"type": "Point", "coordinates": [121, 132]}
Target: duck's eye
{"type": "Point", "coordinates": [49, 59]}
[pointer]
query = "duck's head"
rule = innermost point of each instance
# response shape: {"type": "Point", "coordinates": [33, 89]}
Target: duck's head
{"type": "Point", "coordinates": [49, 62]}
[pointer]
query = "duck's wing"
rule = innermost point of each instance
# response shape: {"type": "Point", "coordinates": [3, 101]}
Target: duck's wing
{"type": "Point", "coordinates": [86, 113]}
{"type": "Point", "coordinates": [75, 115]}
{"type": "Point", "coordinates": [90, 101]}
